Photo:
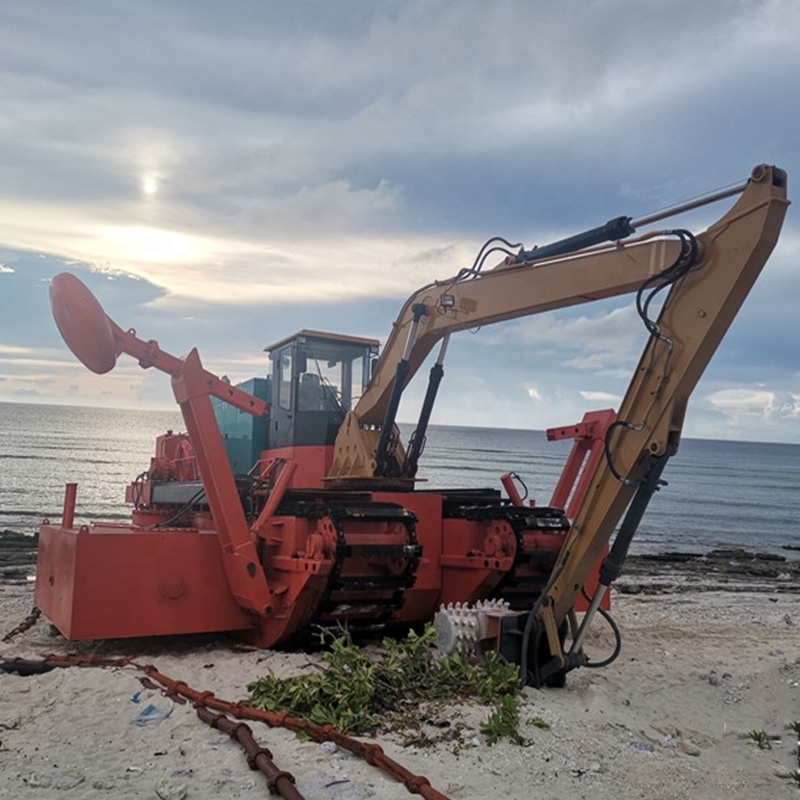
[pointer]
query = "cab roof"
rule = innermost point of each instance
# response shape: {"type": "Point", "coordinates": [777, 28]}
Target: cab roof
{"type": "Point", "coordinates": [331, 337]}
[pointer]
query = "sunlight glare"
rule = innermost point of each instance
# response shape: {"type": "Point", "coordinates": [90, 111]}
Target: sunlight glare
{"type": "Point", "coordinates": [146, 244]}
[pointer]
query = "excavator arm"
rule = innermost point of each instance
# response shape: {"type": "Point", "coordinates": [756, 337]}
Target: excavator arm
{"type": "Point", "coordinates": [556, 277]}
{"type": "Point", "coordinates": [509, 291]}
{"type": "Point", "coordinates": [701, 303]}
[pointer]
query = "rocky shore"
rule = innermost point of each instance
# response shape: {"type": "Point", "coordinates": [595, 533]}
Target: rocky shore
{"type": "Point", "coordinates": [17, 556]}
{"type": "Point", "coordinates": [717, 570]}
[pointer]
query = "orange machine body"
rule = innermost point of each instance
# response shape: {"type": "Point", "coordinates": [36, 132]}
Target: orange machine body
{"type": "Point", "coordinates": [377, 558]}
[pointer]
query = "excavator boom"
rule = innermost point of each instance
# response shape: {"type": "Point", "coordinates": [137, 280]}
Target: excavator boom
{"type": "Point", "coordinates": [525, 285]}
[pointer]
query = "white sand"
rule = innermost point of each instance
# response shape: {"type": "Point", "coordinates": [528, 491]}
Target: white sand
{"type": "Point", "coordinates": [669, 719]}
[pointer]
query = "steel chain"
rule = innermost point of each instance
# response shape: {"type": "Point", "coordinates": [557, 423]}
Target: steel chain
{"type": "Point", "coordinates": [27, 623]}
{"type": "Point", "coordinates": [372, 753]}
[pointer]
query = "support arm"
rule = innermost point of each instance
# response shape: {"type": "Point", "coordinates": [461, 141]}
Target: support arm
{"type": "Point", "coordinates": [97, 341]}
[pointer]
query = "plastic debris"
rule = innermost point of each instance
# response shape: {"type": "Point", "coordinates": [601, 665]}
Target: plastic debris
{"type": "Point", "coordinates": [152, 715]}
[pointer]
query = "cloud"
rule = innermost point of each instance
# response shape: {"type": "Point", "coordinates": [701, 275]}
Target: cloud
{"type": "Point", "coordinates": [601, 397]}
{"type": "Point", "coordinates": [607, 341]}
{"type": "Point", "coordinates": [195, 267]}
{"type": "Point", "coordinates": [740, 403]}
{"type": "Point", "coordinates": [15, 350]}
{"type": "Point", "coordinates": [533, 393]}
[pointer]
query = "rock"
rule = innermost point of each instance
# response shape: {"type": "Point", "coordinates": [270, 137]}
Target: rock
{"type": "Point", "coordinates": [329, 748]}
{"type": "Point", "coordinates": [784, 772]}
{"type": "Point", "coordinates": [690, 748]}
{"type": "Point", "coordinates": [57, 779]}
{"type": "Point", "coordinates": [39, 781]}
{"type": "Point", "coordinates": [645, 747]}
{"type": "Point", "coordinates": [171, 790]}
{"type": "Point", "coordinates": [667, 741]}
{"type": "Point", "coordinates": [715, 679]}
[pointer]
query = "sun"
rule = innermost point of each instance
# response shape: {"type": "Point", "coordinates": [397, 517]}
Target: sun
{"type": "Point", "coordinates": [149, 185]}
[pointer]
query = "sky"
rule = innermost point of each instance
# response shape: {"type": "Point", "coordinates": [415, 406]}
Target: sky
{"type": "Point", "coordinates": [222, 175]}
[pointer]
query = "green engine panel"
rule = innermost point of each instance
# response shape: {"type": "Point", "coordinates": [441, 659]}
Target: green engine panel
{"type": "Point", "coordinates": [245, 436]}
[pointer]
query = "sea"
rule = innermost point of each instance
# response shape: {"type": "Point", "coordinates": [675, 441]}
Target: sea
{"type": "Point", "coordinates": [719, 494]}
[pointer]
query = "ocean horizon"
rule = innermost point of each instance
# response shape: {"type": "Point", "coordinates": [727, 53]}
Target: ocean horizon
{"type": "Point", "coordinates": [719, 493]}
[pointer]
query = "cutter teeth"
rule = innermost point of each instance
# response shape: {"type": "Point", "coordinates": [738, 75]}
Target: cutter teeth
{"type": "Point", "coordinates": [456, 627]}
{"type": "Point", "coordinates": [493, 605]}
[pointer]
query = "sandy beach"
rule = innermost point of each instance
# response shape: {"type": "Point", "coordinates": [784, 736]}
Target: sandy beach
{"type": "Point", "coordinates": [711, 653]}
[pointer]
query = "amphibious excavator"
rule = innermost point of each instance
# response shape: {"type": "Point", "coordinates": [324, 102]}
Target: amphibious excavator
{"type": "Point", "coordinates": [291, 500]}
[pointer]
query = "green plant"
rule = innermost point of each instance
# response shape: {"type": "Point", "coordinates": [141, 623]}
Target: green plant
{"type": "Point", "coordinates": [761, 739]}
{"type": "Point", "coordinates": [340, 695]}
{"type": "Point", "coordinates": [504, 722]}
{"type": "Point", "coordinates": [355, 693]}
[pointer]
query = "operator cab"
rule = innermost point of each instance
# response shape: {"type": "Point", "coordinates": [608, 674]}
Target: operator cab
{"type": "Point", "coordinates": [316, 379]}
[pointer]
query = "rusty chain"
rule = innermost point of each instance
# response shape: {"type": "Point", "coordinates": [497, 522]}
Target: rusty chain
{"type": "Point", "coordinates": [27, 623]}
{"type": "Point", "coordinates": [258, 757]}
{"type": "Point", "coordinates": [373, 754]}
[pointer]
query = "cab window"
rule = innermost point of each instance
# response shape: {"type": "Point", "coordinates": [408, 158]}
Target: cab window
{"type": "Point", "coordinates": [285, 372]}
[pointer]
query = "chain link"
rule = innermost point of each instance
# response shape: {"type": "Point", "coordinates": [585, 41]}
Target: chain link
{"type": "Point", "coordinates": [25, 625]}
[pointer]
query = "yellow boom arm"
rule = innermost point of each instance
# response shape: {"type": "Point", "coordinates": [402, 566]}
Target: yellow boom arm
{"type": "Point", "coordinates": [696, 314]}
{"type": "Point", "coordinates": [515, 289]}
